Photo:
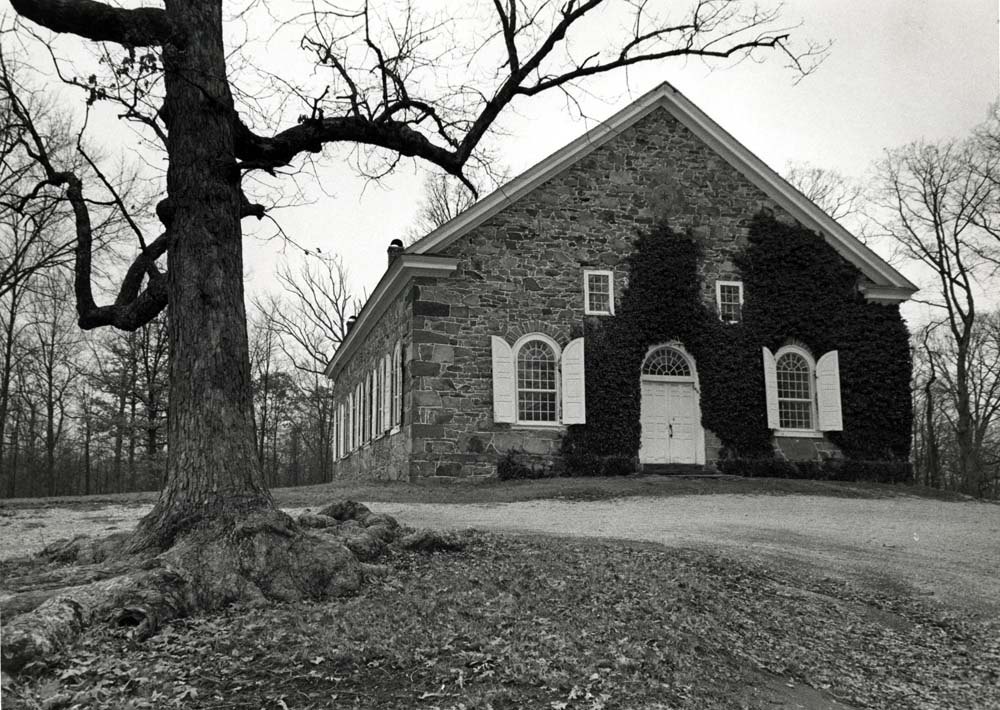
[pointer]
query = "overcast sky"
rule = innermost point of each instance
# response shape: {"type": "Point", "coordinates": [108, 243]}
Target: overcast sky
{"type": "Point", "coordinates": [898, 70]}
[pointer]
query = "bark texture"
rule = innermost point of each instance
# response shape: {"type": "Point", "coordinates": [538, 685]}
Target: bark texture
{"type": "Point", "coordinates": [213, 473]}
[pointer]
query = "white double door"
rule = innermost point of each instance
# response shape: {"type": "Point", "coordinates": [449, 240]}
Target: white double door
{"type": "Point", "coordinates": [671, 427]}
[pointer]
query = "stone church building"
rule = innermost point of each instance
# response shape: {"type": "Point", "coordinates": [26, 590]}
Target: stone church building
{"type": "Point", "coordinates": [470, 345]}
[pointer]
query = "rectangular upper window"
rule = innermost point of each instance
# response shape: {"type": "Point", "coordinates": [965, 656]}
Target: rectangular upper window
{"type": "Point", "coordinates": [729, 298]}
{"type": "Point", "coordinates": [598, 293]}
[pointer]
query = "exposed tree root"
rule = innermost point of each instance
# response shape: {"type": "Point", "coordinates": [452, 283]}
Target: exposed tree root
{"type": "Point", "coordinates": [263, 557]}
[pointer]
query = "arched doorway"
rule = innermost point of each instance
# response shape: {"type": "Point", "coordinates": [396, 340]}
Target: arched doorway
{"type": "Point", "coordinates": [670, 408]}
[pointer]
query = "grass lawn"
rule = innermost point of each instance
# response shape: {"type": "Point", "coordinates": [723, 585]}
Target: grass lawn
{"type": "Point", "coordinates": [522, 622]}
{"type": "Point", "coordinates": [494, 491]}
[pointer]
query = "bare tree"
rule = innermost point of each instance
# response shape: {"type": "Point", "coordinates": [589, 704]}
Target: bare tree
{"type": "Point", "coordinates": [836, 194]}
{"type": "Point", "coordinates": [445, 197]}
{"type": "Point", "coordinates": [36, 231]}
{"type": "Point", "coordinates": [386, 94]}
{"type": "Point", "coordinates": [311, 319]}
{"type": "Point", "coordinates": [264, 352]}
{"type": "Point", "coordinates": [936, 200]}
{"type": "Point", "coordinates": [55, 365]}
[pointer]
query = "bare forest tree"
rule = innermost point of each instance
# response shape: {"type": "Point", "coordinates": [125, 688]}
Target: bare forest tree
{"type": "Point", "coordinates": [309, 320]}
{"type": "Point", "coordinates": [382, 86]}
{"type": "Point", "coordinates": [445, 197]}
{"type": "Point", "coordinates": [941, 200]}
{"type": "Point", "coordinates": [836, 194]}
{"type": "Point", "coordinates": [936, 453]}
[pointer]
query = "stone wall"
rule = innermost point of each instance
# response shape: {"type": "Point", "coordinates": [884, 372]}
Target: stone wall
{"type": "Point", "coordinates": [386, 457]}
{"type": "Point", "coordinates": [522, 271]}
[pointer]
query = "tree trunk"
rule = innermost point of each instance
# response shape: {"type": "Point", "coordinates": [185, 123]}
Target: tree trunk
{"type": "Point", "coordinates": [5, 375]}
{"type": "Point", "coordinates": [50, 441]}
{"type": "Point", "coordinates": [152, 413]}
{"type": "Point", "coordinates": [967, 458]}
{"type": "Point", "coordinates": [131, 440]}
{"type": "Point", "coordinates": [119, 432]}
{"type": "Point", "coordinates": [86, 460]}
{"type": "Point", "coordinates": [212, 470]}
{"type": "Point", "coordinates": [14, 449]}
{"type": "Point", "coordinates": [933, 456]}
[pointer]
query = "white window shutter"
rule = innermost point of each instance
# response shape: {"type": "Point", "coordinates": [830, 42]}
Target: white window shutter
{"type": "Point", "coordinates": [504, 390]}
{"type": "Point", "coordinates": [771, 389]}
{"type": "Point", "coordinates": [574, 390]}
{"type": "Point", "coordinates": [831, 417]}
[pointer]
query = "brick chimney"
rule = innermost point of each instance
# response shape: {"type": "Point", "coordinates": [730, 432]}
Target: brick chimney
{"type": "Point", "coordinates": [394, 250]}
{"type": "Point", "coordinates": [350, 324]}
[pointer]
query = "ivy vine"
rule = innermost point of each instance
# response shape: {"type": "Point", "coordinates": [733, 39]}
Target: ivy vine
{"type": "Point", "coordinates": [796, 288]}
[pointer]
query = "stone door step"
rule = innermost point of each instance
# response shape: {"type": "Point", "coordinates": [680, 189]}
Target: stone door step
{"type": "Point", "coordinates": [678, 469]}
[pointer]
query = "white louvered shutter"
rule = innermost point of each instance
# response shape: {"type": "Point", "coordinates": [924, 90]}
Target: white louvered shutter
{"type": "Point", "coordinates": [831, 417]}
{"type": "Point", "coordinates": [504, 389]}
{"type": "Point", "coordinates": [574, 390]}
{"type": "Point", "coordinates": [771, 389]}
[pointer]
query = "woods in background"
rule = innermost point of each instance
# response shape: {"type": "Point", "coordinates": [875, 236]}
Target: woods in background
{"type": "Point", "coordinates": [85, 412]}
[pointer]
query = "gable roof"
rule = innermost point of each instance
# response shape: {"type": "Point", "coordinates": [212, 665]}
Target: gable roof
{"type": "Point", "coordinates": [887, 284]}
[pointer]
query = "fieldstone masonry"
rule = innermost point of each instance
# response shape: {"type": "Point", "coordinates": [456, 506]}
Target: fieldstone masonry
{"type": "Point", "coordinates": [522, 271]}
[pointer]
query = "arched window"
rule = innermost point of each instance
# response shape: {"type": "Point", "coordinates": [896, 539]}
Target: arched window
{"type": "Point", "coordinates": [537, 377]}
{"type": "Point", "coordinates": [666, 362]}
{"type": "Point", "coordinates": [795, 389]}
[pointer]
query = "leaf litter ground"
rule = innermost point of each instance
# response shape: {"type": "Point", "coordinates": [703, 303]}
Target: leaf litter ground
{"type": "Point", "coordinates": [522, 622]}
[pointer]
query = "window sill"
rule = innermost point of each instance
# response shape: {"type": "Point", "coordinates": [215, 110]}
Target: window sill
{"type": "Point", "coordinates": [538, 425]}
{"type": "Point", "coordinates": [598, 313]}
{"type": "Point", "coordinates": [799, 433]}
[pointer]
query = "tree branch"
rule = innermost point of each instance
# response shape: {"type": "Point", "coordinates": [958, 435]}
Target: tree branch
{"type": "Point", "coordinates": [141, 27]}
{"type": "Point", "coordinates": [132, 309]}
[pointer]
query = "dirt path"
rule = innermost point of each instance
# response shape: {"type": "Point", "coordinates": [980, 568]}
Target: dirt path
{"type": "Point", "coordinates": [947, 551]}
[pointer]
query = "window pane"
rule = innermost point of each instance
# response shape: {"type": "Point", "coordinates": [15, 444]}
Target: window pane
{"type": "Point", "coordinates": [793, 377]}
{"type": "Point", "coordinates": [536, 366]}
{"type": "Point", "coordinates": [729, 303]}
{"type": "Point", "coordinates": [794, 392]}
{"type": "Point", "coordinates": [794, 414]}
{"type": "Point", "coordinates": [599, 293]}
{"type": "Point", "coordinates": [536, 382]}
{"type": "Point", "coordinates": [536, 406]}
{"type": "Point", "coordinates": [666, 361]}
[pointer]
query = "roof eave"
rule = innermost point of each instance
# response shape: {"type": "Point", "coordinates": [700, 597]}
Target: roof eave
{"type": "Point", "coordinates": [887, 295]}
{"type": "Point", "coordinates": [405, 267]}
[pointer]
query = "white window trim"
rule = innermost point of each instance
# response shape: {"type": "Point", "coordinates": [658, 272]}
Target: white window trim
{"type": "Point", "coordinates": [798, 433]}
{"type": "Point", "coordinates": [557, 351]}
{"type": "Point", "coordinates": [718, 298]}
{"type": "Point", "coordinates": [587, 273]}
{"type": "Point", "coordinates": [812, 432]}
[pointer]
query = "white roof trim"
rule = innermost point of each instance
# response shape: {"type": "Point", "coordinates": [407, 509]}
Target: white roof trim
{"type": "Point", "coordinates": [885, 294]}
{"type": "Point", "coordinates": [736, 154]}
{"type": "Point", "coordinates": [404, 267]}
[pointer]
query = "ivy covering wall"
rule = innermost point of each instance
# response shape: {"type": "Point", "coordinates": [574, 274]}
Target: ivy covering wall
{"type": "Point", "coordinates": [796, 288]}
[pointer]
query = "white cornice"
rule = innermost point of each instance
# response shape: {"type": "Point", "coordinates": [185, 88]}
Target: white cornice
{"type": "Point", "coordinates": [736, 154]}
{"type": "Point", "coordinates": [885, 294]}
{"type": "Point", "coordinates": [405, 267]}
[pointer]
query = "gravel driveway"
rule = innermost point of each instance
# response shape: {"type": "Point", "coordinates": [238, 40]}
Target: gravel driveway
{"type": "Point", "coordinates": [947, 551]}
